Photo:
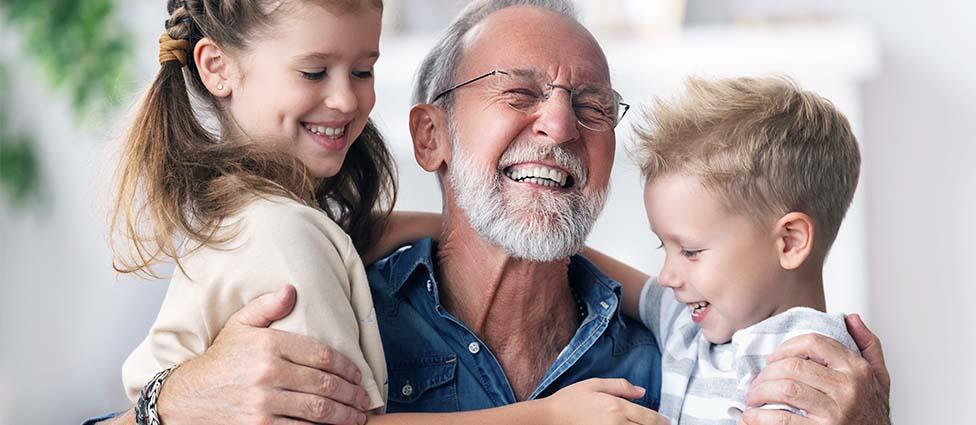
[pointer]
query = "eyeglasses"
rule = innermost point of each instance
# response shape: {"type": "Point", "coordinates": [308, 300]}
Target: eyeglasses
{"type": "Point", "coordinates": [596, 108]}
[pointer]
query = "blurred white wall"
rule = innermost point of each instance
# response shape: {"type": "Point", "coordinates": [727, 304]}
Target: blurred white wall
{"type": "Point", "coordinates": [67, 322]}
{"type": "Point", "coordinates": [920, 179]}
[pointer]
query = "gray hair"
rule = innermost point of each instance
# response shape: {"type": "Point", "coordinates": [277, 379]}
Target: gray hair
{"type": "Point", "coordinates": [436, 72]}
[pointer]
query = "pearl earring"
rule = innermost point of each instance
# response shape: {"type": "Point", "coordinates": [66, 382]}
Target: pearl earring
{"type": "Point", "coordinates": [220, 86]}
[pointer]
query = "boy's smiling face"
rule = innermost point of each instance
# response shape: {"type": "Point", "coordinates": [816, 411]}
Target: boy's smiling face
{"type": "Point", "coordinates": [724, 266]}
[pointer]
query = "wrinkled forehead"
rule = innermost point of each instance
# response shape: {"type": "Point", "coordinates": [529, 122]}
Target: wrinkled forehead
{"type": "Point", "coordinates": [544, 42]}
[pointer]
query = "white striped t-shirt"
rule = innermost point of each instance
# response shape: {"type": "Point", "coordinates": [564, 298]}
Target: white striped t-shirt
{"type": "Point", "coordinates": [705, 383]}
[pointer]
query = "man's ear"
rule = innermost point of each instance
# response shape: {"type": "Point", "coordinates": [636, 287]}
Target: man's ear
{"type": "Point", "coordinates": [214, 67]}
{"type": "Point", "coordinates": [431, 141]}
{"type": "Point", "coordinates": [794, 239]}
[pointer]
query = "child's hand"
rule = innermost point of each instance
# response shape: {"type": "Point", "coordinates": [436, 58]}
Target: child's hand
{"type": "Point", "coordinates": [600, 401]}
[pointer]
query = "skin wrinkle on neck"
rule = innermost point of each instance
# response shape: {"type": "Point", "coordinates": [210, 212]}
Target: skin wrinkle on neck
{"type": "Point", "coordinates": [494, 282]}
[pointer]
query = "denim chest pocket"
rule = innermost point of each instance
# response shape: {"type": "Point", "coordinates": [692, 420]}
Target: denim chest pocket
{"type": "Point", "coordinates": [640, 352]}
{"type": "Point", "coordinates": [426, 384]}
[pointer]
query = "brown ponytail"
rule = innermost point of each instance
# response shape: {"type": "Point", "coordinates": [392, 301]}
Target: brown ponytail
{"type": "Point", "coordinates": [178, 181]}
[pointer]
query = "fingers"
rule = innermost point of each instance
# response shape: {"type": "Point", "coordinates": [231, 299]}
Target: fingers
{"type": "Point", "coordinates": [308, 407]}
{"type": "Point", "coordinates": [305, 351]}
{"type": "Point", "coordinates": [845, 390]}
{"type": "Point", "coordinates": [267, 308]}
{"type": "Point", "coordinates": [811, 373]}
{"type": "Point", "coordinates": [638, 414]}
{"type": "Point", "coordinates": [616, 387]}
{"type": "Point", "coordinates": [870, 347]}
{"type": "Point", "coordinates": [772, 417]}
{"type": "Point", "coordinates": [792, 393]}
{"type": "Point", "coordinates": [819, 348]}
{"type": "Point", "coordinates": [313, 381]}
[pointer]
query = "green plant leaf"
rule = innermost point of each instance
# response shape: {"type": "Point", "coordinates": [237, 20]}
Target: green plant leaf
{"type": "Point", "coordinates": [82, 52]}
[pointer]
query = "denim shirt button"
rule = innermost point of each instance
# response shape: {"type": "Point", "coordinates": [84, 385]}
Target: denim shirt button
{"type": "Point", "coordinates": [406, 390]}
{"type": "Point", "coordinates": [430, 285]}
{"type": "Point", "coordinates": [474, 347]}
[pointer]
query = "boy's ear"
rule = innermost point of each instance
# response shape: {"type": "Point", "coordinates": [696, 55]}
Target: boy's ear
{"type": "Point", "coordinates": [213, 66]}
{"type": "Point", "coordinates": [794, 239]}
{"type": "Point", "coordinates": [431, 143]}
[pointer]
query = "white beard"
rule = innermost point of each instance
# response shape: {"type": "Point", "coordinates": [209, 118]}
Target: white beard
{"type": "Point", "coordinates": [545, 227]}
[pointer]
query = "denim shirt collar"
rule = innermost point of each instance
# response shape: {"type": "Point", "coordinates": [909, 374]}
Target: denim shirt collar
{"type": "Point", "coordinates": [600, 293]}
{"type": "Point", "coordinates": [406, 261]}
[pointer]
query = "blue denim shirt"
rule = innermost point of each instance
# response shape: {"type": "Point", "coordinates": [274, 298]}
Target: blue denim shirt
{"type": "Point", "coordinates": [437, 364]}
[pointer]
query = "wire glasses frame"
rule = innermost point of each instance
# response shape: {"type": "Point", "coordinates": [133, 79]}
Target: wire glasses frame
{"type": "Point", "coordinates": [618, 108]}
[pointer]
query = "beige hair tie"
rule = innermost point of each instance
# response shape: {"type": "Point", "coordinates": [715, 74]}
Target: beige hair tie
{"type": "Point", "coordinates": [172, 50]}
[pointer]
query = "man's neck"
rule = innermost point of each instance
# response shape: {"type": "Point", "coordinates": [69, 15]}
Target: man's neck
{"type": "Point", "coordinates": [491, 291]}
{"type": "Point", "coordinates": [523, 310]}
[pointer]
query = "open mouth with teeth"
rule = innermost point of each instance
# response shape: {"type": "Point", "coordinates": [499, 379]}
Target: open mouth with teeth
{"type": "Point", "coordinates": [330, 132]}
{"type": "Point", "coordinates": [540, 175]}
{"type": "Point", "coordinates": [699, 310]}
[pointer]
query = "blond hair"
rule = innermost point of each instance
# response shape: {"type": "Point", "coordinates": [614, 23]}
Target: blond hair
{"type": "Point", "coordinates": [178, 180]}
{"type": "Point", "coordinates": [765, 146]}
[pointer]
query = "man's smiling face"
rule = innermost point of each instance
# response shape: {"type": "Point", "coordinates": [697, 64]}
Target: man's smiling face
{"type": "Point", "coordinates": [531, 182]}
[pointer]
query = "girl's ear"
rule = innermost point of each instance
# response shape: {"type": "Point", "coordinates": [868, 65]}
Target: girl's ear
{"type": "Point", "coordinates": [794, 239]}
{"type": "Point", "coordinates": [431, 141]}
{"type": "Point", "coordinates": [213, 66]}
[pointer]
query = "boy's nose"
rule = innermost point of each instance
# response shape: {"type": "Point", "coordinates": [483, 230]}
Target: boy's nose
{"type": "Point", "coordinates": [669, 279]}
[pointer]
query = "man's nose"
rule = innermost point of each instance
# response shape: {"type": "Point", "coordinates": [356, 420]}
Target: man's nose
{"type": "Point", "coordinates": [556, 118]}
{"type": "Point", "coordinates": [340, 96]}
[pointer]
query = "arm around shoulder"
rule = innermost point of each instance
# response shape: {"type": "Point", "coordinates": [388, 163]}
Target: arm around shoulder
{"type": "Point", "coordinates": [301, 246]}
{"type": "Point", "coordinates": [275, 244]}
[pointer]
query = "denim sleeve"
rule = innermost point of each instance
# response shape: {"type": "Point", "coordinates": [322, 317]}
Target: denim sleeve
{"type": "Point", "coordinates": [95, 420]}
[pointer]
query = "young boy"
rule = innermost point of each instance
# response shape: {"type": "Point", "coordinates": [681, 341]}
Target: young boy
{"type": "Point", "coordinates": [747, 182]}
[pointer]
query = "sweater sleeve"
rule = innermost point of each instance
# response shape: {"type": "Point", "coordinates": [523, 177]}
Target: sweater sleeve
{"type": "Point", "coordinates": [275, 243]}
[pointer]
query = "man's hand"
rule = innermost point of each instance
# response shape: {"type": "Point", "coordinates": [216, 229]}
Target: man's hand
{"type": "Point", "coordinates": [254, 375]}
{"type": "Point", "coordinates": [822, 377]}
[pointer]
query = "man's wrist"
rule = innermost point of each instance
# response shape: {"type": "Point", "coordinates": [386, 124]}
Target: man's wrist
{"type": "Point", "coordinates": [172, 404]}
{"type": "Point", "coordinates": [145, 411]}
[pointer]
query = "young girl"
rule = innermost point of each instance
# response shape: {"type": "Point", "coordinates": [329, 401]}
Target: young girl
{"type": "Point", "coordinates": [293, 180]}
{"type": "Point", "coordinates": [286, 185]}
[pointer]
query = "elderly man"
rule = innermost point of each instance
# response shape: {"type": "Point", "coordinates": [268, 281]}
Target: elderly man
{"type": "Point", "coordinates": [515, 113]}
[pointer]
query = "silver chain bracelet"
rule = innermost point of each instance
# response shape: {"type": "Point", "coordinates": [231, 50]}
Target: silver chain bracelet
{"type": "Point", "coordinates": [145, 408]}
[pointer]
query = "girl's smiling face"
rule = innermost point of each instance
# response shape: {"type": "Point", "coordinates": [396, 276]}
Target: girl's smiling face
{"type": "Point", "coordinates": [720, 263]}
{"type": "Point", "coordinates": [306, 83]}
